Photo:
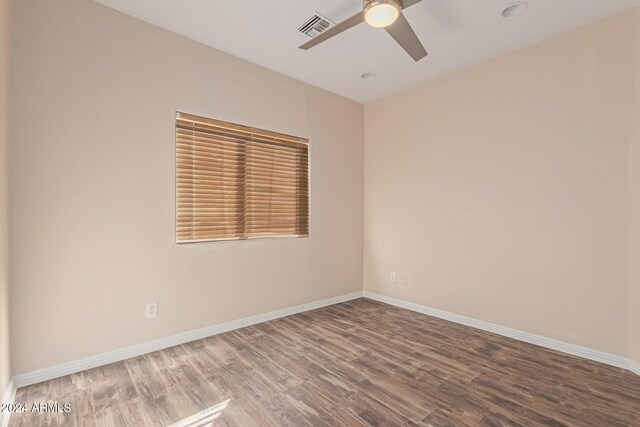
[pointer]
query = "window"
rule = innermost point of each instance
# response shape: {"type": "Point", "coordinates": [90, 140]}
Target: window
{"type": "Point", "coordinates": [235, 182]}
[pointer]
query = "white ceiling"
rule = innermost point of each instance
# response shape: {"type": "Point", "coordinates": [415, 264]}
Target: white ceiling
{"type": "Point", "coordinates": [456, 33]}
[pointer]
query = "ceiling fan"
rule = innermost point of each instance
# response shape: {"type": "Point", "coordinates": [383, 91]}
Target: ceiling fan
{"type": "Point", "coordinates": [385, 14]}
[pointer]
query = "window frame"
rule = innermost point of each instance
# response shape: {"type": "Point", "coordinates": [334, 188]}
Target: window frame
{"type": "Point", "coordinates": [307, 141]}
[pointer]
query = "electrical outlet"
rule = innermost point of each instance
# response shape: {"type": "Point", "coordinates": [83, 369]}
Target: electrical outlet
{"type": "Point", "coordinates": [393, 277]}
{"type": "Point", "coordinates": [405, 279]}
{"type": "Point", "coordinates": [152, 309]}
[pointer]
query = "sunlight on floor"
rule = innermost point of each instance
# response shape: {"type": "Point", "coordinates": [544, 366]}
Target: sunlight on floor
{"type": "Point", "coordinates": [203, 418]}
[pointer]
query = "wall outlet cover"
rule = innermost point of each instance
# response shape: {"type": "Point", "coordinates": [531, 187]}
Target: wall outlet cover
{"type": "Point", "coordinates": [151, 310]}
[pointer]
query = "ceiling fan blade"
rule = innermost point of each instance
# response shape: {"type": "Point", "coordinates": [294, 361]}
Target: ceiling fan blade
{"type": "Point", "coordinates": [409, 3]}
{"type": "Point", "coordinates": [402, 33]}
{"type": "Point", "coordinates": [334, 31]}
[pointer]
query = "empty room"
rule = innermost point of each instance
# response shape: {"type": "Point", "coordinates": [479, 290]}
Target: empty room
{"type": "Point", "coordinates": [320, 213]}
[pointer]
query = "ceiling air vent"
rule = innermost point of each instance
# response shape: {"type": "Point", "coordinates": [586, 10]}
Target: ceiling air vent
{"type": "Point", "coordinates": [316, 25]}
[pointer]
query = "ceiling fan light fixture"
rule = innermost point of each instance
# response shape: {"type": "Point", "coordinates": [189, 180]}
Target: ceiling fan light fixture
{"type": "Point", "coordinates": [381, 13]}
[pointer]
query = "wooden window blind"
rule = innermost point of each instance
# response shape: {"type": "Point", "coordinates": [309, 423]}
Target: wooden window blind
{"type": "Point", "coordinates": [235, 182]}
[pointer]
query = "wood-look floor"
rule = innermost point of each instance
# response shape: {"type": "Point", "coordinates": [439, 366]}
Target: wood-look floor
{"type": "Point", "coordinates": [357, 363]}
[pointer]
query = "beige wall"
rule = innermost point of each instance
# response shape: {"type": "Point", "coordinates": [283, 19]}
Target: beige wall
{"type": "Point", "coordinates": [633, 302]}
{"type": "Point", "coordinates": [5, 371]}
{"type": "Point", "coordinates": [502, 190]}
{"type": "Point", "coordinates": [94, 97]}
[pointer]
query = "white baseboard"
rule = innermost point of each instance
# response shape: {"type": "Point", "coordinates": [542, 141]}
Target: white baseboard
{"type": "Point", "coordinates": [8, 397]}
{"type": "Point", "coordinates": [576, 350]}
{"type": "Point", "coordinates": [159, 344]}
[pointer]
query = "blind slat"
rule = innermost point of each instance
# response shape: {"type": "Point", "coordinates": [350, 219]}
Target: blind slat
{"type": "Point", "coordinates": [232, 174]}
{"type": "Point", "coordinates": [267, 186]}
{"type": "Point", "coordinates": [255, 224]}
{"type": "Point", "coordinates": [192, 120]}
{"type": "Point", "coordinates": [219, 141]}
{"type": "Point", "coordinates": [211, 190]}
{"type": "Point", "coordinates": [228, 170]}
{"type": "Point", "coordinates": [212, 197]}
{"type": "Point", "coordinates": [215, 156]}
